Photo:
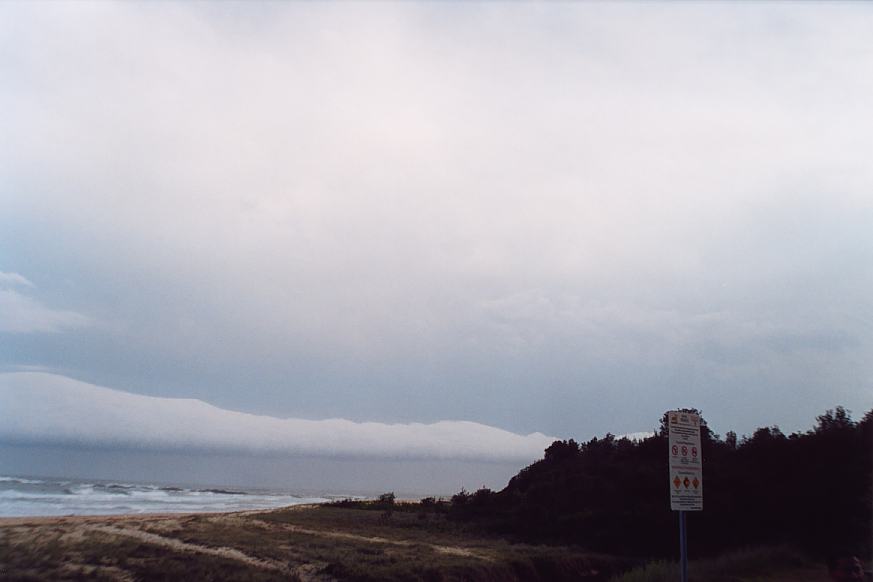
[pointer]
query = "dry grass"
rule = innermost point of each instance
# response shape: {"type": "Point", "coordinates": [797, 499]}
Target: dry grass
{"type": "Point", "coordinates": [70, 552]}
{"type": "Point", "coordinates": [309, 543]}
{"type": "Point", "coordinates": [775, 564]}
{"type": "Point", "coordinates": [334, 543]}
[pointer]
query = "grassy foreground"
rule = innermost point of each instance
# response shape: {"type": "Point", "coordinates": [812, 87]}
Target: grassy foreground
{"type": "Point", "coordinates": [358, 542]}
{"type": "Point", "coordinates": [773, 564]}
{"type": "Point", "coordinates": [301, 543]}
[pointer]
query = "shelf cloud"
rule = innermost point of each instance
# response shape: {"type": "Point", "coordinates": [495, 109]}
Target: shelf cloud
{"type": "Point", "coordinates": [41, 408]}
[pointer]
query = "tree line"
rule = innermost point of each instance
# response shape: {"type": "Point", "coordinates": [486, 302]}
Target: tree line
{"type": "Point", "coordinates": [812, 489]}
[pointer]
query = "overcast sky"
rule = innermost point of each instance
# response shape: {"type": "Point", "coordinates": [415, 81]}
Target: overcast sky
{"type": "Point", "coordinates": [555, 218]}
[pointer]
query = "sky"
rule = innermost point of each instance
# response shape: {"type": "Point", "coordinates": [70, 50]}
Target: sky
{"type": "Point", "coordinates": [536, 220]}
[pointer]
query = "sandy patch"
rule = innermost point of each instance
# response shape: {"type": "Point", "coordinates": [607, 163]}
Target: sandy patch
{"type": "Point", "coordinates": [180, 546]}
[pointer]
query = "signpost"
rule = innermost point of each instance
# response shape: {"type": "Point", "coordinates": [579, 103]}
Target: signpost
{"type": "Point", "coordinates": [686, 473]}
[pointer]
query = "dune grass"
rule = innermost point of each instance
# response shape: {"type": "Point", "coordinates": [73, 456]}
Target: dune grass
{"type": "Point", "coordinates": [341, 543]}
{"type": "Point", "coordinates": [769, 564]}
{"type": "Point", "coordinates": [314, 543]}
{"type": "Point", "coordinates": [59, 554]}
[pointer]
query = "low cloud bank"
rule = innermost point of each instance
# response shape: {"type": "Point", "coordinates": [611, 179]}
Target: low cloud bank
{"type": "Point", "coordinates": [42, 408]}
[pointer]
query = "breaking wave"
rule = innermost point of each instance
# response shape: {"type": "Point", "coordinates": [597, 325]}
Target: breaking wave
{"type": "Point", "coordinates": [20, 496]}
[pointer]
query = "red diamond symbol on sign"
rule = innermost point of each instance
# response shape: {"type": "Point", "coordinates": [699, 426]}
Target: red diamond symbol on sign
{"type": "Point", "coordinates": [695, 482]}
{"type": "Point", "coordinates": [686, 482]}
{"type": "Point", "coordinates": [676, 481]}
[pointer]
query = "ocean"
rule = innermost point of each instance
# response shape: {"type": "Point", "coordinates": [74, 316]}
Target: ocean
{"type": "Point", "coordinates": [40, 496]}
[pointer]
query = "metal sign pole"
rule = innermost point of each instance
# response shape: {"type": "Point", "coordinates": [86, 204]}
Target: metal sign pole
{"type": "Point", "coordinates": [686, 473]}
{"type": "Point", "coordinates": [683, 547]}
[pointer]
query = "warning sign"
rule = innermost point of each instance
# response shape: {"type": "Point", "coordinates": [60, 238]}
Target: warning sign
{"type": "Point", "coordinates": [685, 462]}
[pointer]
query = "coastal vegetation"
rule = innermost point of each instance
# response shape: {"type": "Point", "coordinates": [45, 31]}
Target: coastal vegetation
{"type": "Point", "coordinates": [809, 495]}
{"type": "Point", "coordinates": [302, 543]}
{"type": "Point", "coordinates": [770, 564]}
{"type": "Point", "coordinates": [809, 489]}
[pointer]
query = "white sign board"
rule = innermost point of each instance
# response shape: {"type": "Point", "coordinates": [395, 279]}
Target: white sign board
{"type": "Point", "coordinates": [686, 461]}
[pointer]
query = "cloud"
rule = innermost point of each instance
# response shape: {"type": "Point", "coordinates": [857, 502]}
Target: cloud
{"type": "Point", "coordinates": [637, 436]}
{"type": "Point", "coordinates": [10, 279]}
{"type": "Point", "coordinates": [318, 199]}
{"type": "Point", "coordinates": [43, 408]}
{"type": "Point", "coordinates": [20, 313]}
{"type": "Point", "coordinates": [374, 209]}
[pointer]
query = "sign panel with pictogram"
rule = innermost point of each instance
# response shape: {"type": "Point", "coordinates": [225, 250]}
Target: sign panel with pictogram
{"type": "Point", "coordinates": [685, 462]}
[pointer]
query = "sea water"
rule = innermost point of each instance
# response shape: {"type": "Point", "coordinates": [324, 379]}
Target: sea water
{"type": "Point", "coordinates": [40, 496]}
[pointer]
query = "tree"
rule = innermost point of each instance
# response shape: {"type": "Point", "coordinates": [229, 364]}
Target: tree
{"type": "Point", "coordinates": [839, 419]}
{"type": "Point", "coordinates": [559, 450]}
{"type": "Point", "coordinates": [386, 500]}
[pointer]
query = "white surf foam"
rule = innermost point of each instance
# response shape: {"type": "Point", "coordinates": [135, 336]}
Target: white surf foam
{"type": "Point", "coordinates": [21, 497]}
